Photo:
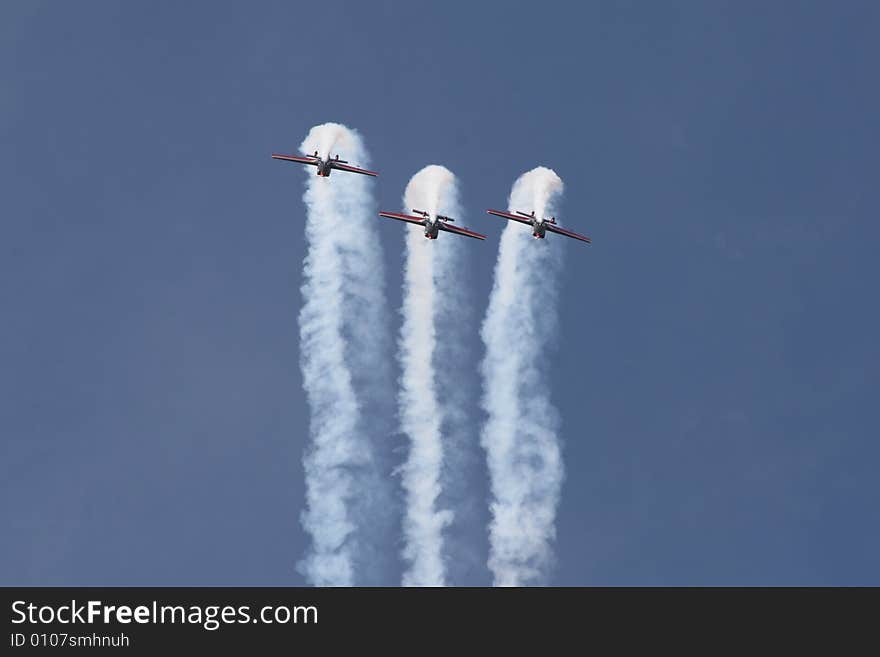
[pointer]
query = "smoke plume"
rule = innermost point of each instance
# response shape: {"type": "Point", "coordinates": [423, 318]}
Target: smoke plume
{"type": "Point", "coordinates": [427, 410]}
{"type": "Point", "coordinates": [521, 434]}
{"type": "Point", "coordinates": [343, 357]}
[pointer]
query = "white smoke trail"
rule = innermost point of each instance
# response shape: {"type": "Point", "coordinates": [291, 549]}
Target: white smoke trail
{"type": "Point", "coordinates": [520, 435]}
{"type": "Point", "coordinates": [342, 354]}
{"type": "Point", "coordinates": [429, 265]}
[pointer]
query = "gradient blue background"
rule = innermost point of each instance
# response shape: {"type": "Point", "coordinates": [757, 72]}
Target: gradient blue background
{"type": "Point", "coordinates": [717, 369]}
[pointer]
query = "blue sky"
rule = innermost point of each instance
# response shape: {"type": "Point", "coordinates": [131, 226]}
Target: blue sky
{"type": "Point", "coordinates": [717, 366]}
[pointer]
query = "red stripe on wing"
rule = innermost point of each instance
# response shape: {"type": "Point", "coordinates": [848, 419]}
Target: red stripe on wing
{"type": "Point", "coordinates": [295, 158]}
{"type": "Point", "coordinates": [403, 217]}
{"type": "Point", "coordinates": [461, 231]}
{"type": "Point", "coordinates": [512, 217]}
{"type": "Point", "coordinates": [348, 167]}
{"type": "Point", "coordinates": [567, 233]}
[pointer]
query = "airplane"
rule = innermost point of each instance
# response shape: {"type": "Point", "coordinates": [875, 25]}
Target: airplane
{"type": "Point", "coordinates": [324, 166]}
{"type": "Point", "coordinates": [433, 225]}
{"type": "Point", "coordinates": [539, 226]}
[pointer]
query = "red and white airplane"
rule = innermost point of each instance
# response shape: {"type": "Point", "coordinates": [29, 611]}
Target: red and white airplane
{"type": "Point", "coordinates": [324, 166]}
{"type": "Point", "coordinates": [539, 226]}
{"type": "Point", "coordinates": [433, 225]}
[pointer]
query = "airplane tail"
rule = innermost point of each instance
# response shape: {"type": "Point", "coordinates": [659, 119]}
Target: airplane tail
{"type": "Point", "coordinates": [531, 215]}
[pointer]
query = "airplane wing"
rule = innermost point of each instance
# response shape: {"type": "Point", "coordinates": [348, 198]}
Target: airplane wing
{"type": "Point", "coordinates": [403, 217]}
{"type": "Point", "coordinates": [460, 231]}
{"type": "Point", "coordinates": [568, 233]}
{"type": "Point", "coordinates": [295, 158]}
{"type": "Point", "coordinates": [512, 217]}
{"type": "Point", "coordinates": [348, 167]}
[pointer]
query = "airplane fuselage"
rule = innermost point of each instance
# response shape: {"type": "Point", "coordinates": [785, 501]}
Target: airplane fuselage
{"type": "Point", "coordinates": [432, 228]}
{"type": "Point", "coordinates": [324, 168]}
{"type": "Point", "coordinates": [539, 224]}
{"type": "Point", "coordinates": [539, 230]}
